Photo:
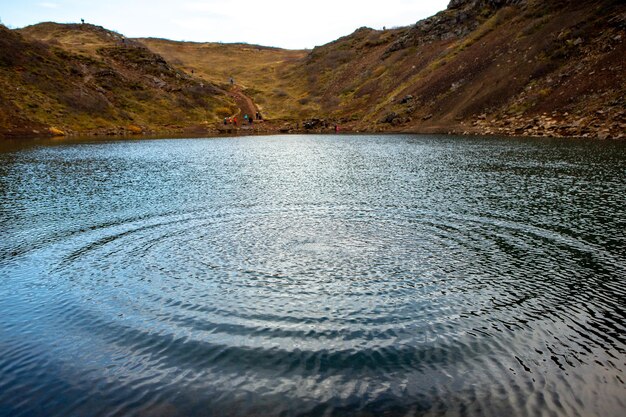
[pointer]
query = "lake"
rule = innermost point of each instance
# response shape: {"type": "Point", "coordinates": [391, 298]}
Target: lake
{"type": "Point", "coordinates": [372, 275]}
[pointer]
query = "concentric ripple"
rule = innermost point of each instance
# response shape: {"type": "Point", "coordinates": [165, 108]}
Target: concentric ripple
{"type": "Point", "coordinates": [313, 276]}
{"type": "Point", "coordinates": [386, 275]}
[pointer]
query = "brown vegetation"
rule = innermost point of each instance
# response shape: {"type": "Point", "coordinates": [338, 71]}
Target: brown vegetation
{"type": "Point", "coordinates": [260, 72]}
{"type": "Point", "coordinates": [103, 87]}
{"type": "Point", "coordinates": [522, 67]}
{"type": "Point", "coordinates": [496, 67]}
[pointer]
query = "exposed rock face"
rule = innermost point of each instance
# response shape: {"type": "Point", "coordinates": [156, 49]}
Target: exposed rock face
{"type": "Point", "coordinates": [458, 21]}
{"type": "Point", "coordinates": [443, 25]}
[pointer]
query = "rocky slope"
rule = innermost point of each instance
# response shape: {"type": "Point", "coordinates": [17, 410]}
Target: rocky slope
{"type": "Point", "coordinates": [112, 86]}
{"type": "Point", "coordinates": [482, 66]}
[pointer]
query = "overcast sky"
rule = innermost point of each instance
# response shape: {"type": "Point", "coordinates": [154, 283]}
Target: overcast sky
{"type": "Point", "coordinates": [288, 24]}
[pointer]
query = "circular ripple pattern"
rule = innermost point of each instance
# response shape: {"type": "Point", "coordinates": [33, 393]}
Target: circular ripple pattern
{"type": "Point", "coordinates": [377, 275]}
{"type": "Point", "coordinates": [332, 278]}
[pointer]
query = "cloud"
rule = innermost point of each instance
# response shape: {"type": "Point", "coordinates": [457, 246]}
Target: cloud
{"type": "Point", "coordinates": [48, 5]}
{"type": "Point", "coordinates": [210, 7]}
{"type": "Point", "coordinates": [200, 23]}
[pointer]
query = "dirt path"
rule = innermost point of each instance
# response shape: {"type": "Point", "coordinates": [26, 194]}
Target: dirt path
{"type": "Point", "coordinates": [245, 104]}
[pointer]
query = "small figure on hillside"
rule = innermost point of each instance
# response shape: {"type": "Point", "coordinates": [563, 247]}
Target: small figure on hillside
{"type": "Point", "coordinates": [225, 121]}
{"type": "Point", "coordinates": [258, 116]}
{"type": "Point", "coordinates": [232, 81]}
{"type": "Point", "coordinates": [245, 117]}
{"type": "Point", "coordinates": [235, 120]}
{"type": "Point", "coordinates": [336, 128]}
{"type": "Point", "coordinates": [250, 120]}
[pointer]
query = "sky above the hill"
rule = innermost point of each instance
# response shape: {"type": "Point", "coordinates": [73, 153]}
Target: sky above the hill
{"type": "Point", "coordinates": [287, 24]}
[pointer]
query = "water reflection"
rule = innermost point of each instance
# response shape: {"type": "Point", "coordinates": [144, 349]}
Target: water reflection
{"type": "Point", "coordinates": [313, 275]}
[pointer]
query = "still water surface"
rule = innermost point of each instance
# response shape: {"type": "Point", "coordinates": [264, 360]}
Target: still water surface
{"type": "Point", "coordinates": [313, 275]}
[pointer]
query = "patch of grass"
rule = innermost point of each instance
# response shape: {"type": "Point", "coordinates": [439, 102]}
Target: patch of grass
{"type": "Point", "coordinates": [379, 70]}
{"type": "Point", "coordinates": [223, 112]}
{"type": "Point", "coordinates": [534, 26]}
{"type": "Point", "coordinates": [278, 92]}
{"type": "Point", "coordinates": [520, 108]}
{"type": "Point", "coordinates": [544, 92]}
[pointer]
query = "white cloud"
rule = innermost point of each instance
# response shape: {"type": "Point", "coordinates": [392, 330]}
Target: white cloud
{"type": "Point", "coordinates": [213, 7]}
{"type": "Point", "coordinates": [49, 5]}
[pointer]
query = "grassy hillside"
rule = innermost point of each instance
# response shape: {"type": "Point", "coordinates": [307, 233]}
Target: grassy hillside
{"type": "Point", "coordinates": [102, 83]}
{"type": "Point", "coordinates": [264, 74]}
{"type": "Point", "coordinates": [481, 66]}
{"type": "Point", "coordinates": [523, 67]}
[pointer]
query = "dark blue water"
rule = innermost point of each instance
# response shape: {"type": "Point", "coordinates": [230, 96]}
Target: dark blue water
{"type": "Point", "coordinates": [313, 276]}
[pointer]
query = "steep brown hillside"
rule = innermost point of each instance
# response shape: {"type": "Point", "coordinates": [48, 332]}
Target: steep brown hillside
{"type": "Point", "coordinates": [490, 66]}
{"type": "Point", "coordinates": [116, 86]}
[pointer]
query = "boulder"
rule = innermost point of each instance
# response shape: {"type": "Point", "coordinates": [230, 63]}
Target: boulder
{"type": "Point", "coordinates": [389, 117]}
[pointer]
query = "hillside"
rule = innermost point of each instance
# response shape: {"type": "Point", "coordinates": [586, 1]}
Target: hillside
{"type": "Point", "coordinates": [509, 66]}
{"type": "Point", "coordinates": [264, 74]}
{"type": "Point", "coordinates": [103, 84]}
{"type": "Point", "coordinates": [513, 67]}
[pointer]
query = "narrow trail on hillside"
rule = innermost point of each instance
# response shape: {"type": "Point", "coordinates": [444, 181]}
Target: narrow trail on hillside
{"type": "Point", "coordinates": [245, 103]}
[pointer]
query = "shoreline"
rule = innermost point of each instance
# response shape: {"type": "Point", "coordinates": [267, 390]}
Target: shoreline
{"type": "Point", "coordinates": [535, 127]}
{"type": "Point", "coordinates": [217, 133]}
